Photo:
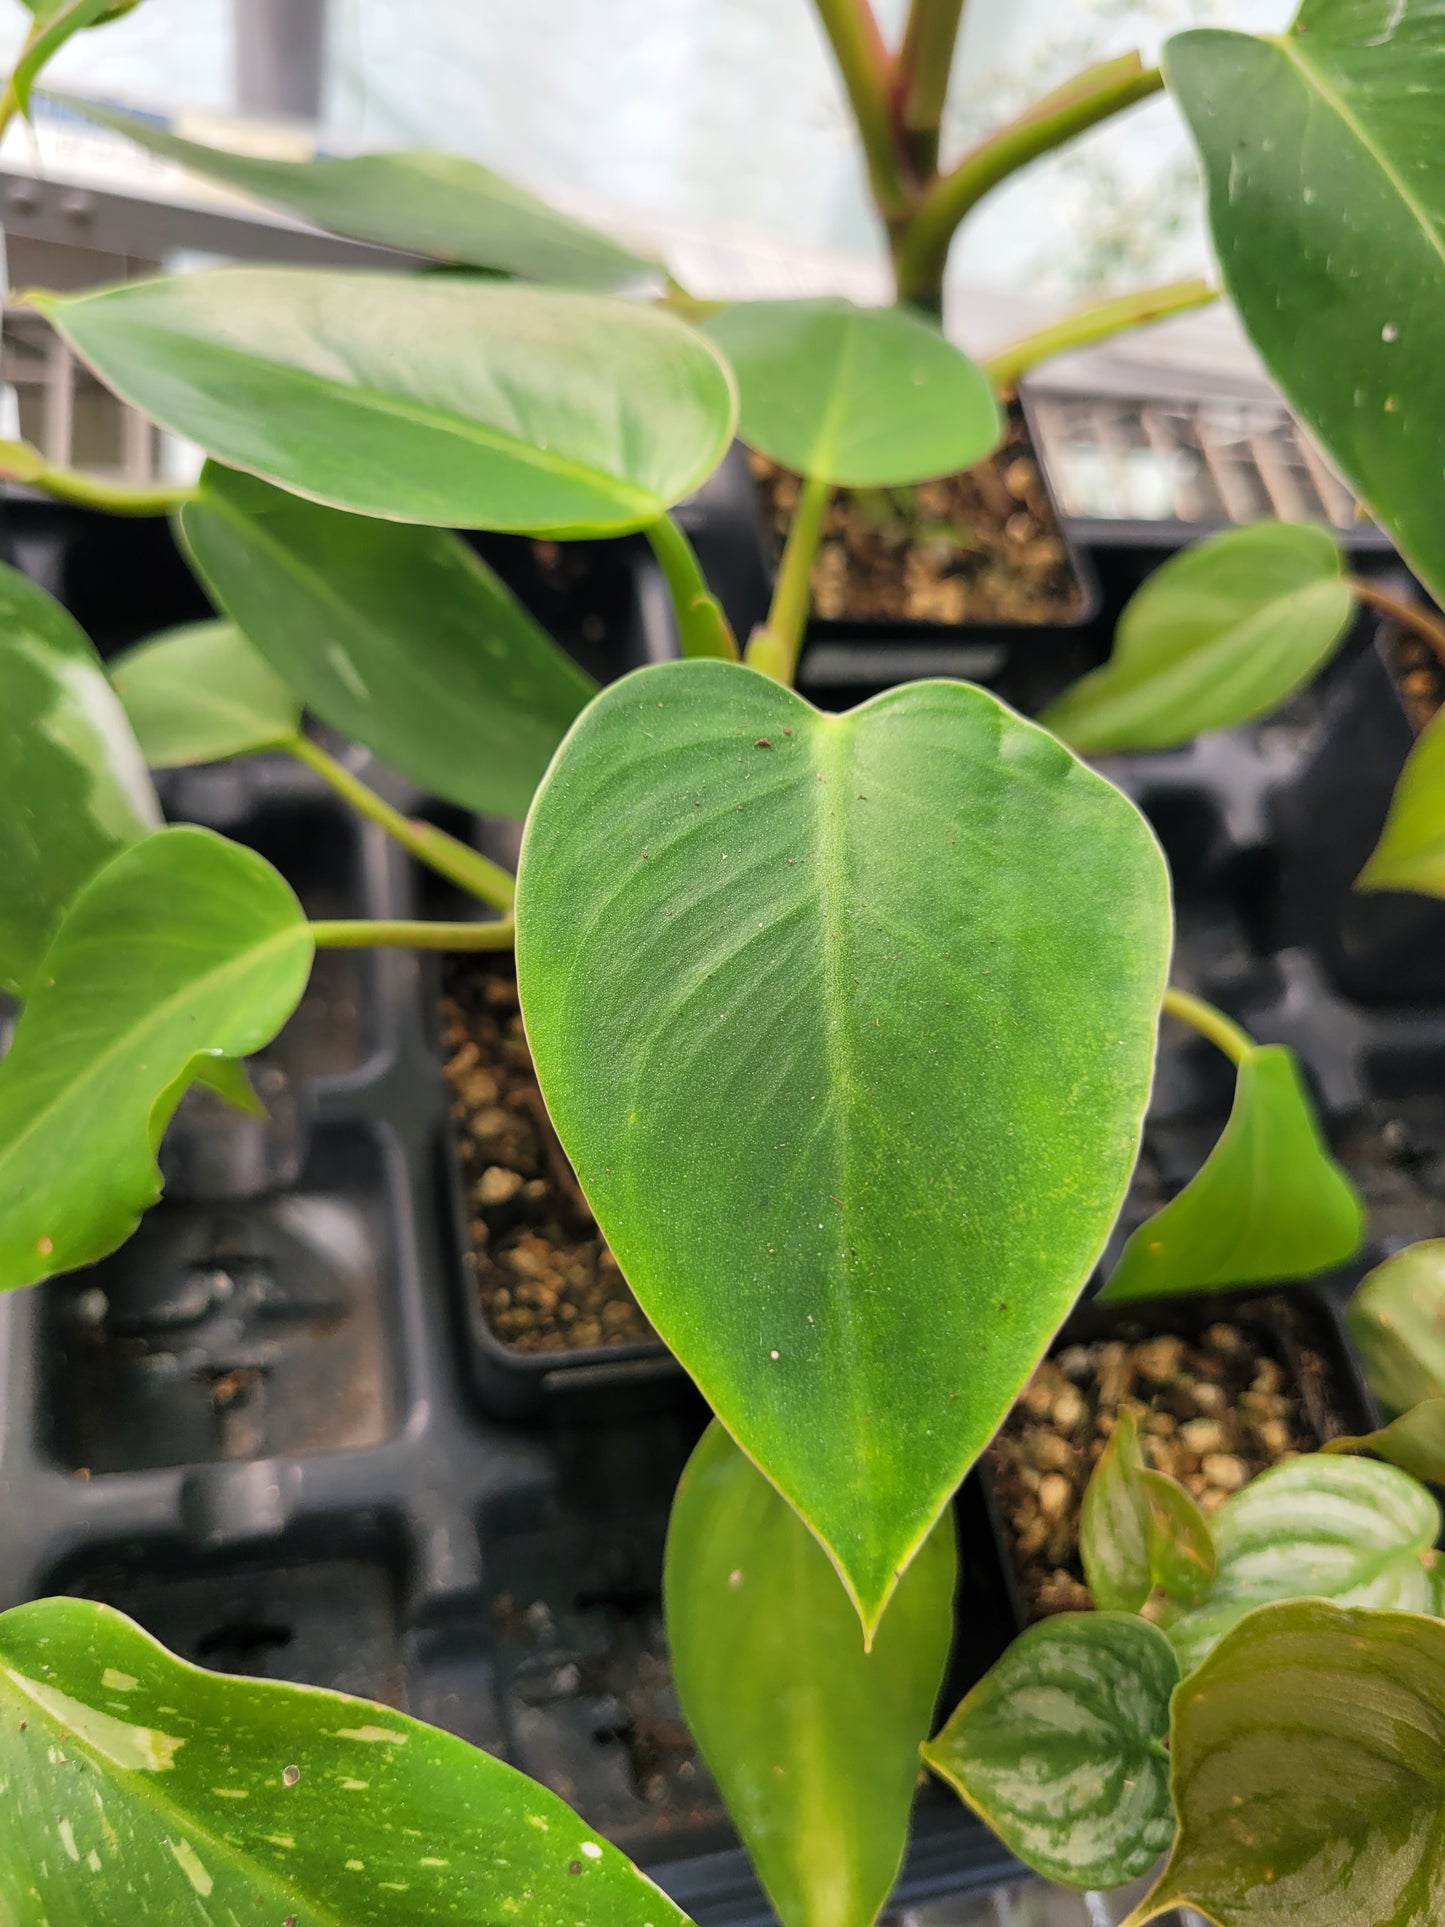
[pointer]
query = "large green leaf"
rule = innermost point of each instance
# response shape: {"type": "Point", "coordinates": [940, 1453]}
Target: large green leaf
{"type": "Point", "coordinates": [1139, 1530]}
{"type": "Point", "coordinates": [813, 1741]}
{"type": "Point", "coordinates": [139, 1789]}
{"type": "Point", "coordinates": [1317, 1527]}
{"type": "Point", "coordinates": [1060, 1747]}
{"type": "Point", "coordinates": [1268, 1202]}
{"type": "Point", "coordinates": [1415, 1441]}
{"type": "Point", "coordinates": [1397, 1320]}
{"type": "Point", "coordinates": [1327, 202]}
{"type": "Point", "coordinates": [425, 203]}
{"type": "Point", "coordinates": [1309, 1774]}
{"type": "Point", "coordinates": [201, 693]}
{"type": "Point", "coordinates": [1410, 854]}
{"type": "Point", "coordinates": [809, 996]}
{"type": "Point", "coordinates": [1221, 633]}
{"type": "Point", "coordinates": [73, 784]}
{"type": "Point", "coordinates": [182, 948]}
{"type": "Point", "coordinates": [399, 637]}
{"type": "Point", "coordinates": [54, 23]}
{"type": "Point", "coordinates": [427, 398]}
{"type": "Point", "coordinates": [864, 397]}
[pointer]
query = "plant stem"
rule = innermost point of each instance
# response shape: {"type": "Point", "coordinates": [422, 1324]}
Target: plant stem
{"type": "Point", "coordinates": [1095, 323]}
{"type": "Point", "coordinates": [702, 628]}
{"type": "Point", "coordinates": [445, 854]}
{"type": "Point", "coordinates": [1425, 623]}
{"type": "Point", "coordinates": [363, 934]}
{"type": "Point", "coordinates": [925, 62]}
{"type": "Point", "coordinates": [774, 648]}
{"type": "Point", "coordinates": [20, 462]}
{"type": "Point", "coordinates": [10, 99]}
{"type": "Point", "coordinates": [1079, 104]}
{"type": "Point", "coordinates": [1209, 1022]}
{"type": "Point", "coordinates": [867, 70]}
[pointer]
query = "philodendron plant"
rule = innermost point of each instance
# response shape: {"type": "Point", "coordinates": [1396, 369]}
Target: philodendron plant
{"type": "Point", "coordinates": [846, 1022]}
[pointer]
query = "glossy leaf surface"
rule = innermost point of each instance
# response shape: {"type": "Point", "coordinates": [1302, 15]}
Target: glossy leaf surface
{"type": "Point", "coordinates": [1350, 1530]}
{"type": "Point", "coordinates": [1268, 1202]}
{"type": "Point", "coordinates": [1330, 233]}
{"type": "Point", "coordinates": [401, 638]}
{"type": "Point", "coordinates": [201, 693]}
{"type": "Point", "coordinates": [183, 947]}
{"type": "Point", "coordinates": [1410, 854]}
{"type": "Point", "coordinates": [1218, 635]}
{"type": "Point", "coordinates": [73, 784]}
{"type": "Point", "coordinates": [1060, 1747]}
{"type": "Point", "coordinates": [813, 1741]}
{"type": "Point", "coordinates": [827, 985]}
{"type": "Point", "coordinates": [435, 399]}
{"type": "Point", "coordinates": [1139, 1530]}
{"type": "Point", "coordinates": [1397, 1321]}
{"type": "Point", "coordinates": [423, 203]}
{"type": "Point", "coordinates": [1415, 1441]}
{"type": "Point", "coordinates": [141, 1789]}
{"type": "Point", "coordinates": [1309, 1773]}
{"type": "Point", "coordinates": [864, 397]}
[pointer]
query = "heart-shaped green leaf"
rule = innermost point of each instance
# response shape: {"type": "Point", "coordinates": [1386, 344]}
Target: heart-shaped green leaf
{"type": "Point", "coordinates": [809, 996]}
{"type": "Point", "coordinates": [453, 402]}
{"type": "Point", "coordinates": [1221, 633]}
{"type": "Point", "coordinates": [141, 1789]}
{"type": "Point", "coordinates": [1060, 1748]}
{"type": "Point", "coordinates": [864, 397]}
{"type": "Point", "coordinates": [1410, 854]}
{"type": "Point", "coordinates": [401, 638]}
{"type": "Point", "coordinates": [1268, 1202]}
{"type": "Point", "coordinates": [424, 203]}
{"type": "Point", "coordinates": [201, 693]}
{"type": "Point", "coordinates": [1317, 1527]}
{"type": "Point", "coordinates": [182, 948]}
{"type": "Point", "coordinates": [55, 22]}
{"type": "Point", "coordinates": [1139, 1530]}
{"type": "Point", "coordinates": [813, 1741]}
{"type": "Point", "coordinates": [73, 784]}
{"type": "Point", "coordinates": [1309, 1773]}
{"type": "Point", "coordinates": [1397, 1320]}
{"type": "Point", "coordinates": [1328, 209]}
{"type": "Point", "coordinates": [1415, 1441]}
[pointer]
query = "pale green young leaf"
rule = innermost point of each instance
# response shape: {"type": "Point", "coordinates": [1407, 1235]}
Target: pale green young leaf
{"type": "Point", "coordinates": [812, 1739]}
{"type": "Point", "coordinates": [1309, 1773]}
{"type": "Point", "coordinates": [1410, 854]}
{"type": "Point", "coordinates": [201, 693]}
{"type": "Point", "coordinates": [847, 1093]}
{"type": "Point", "coordinates": [182, 948]}
{"type": "Point", "coordinates": [141, 1789]}
{"type": "Point", "coordinates": [73, 783]}
{"type": "Point", "coordinates": [864, 397]}
{"type": "Point", "coordinates": [1114, 1524]}
{"type": "Point", "coordinates": [1269, 1201]}
{"type": "Point", "coordinates": [1220, 634]}
{"type": "Point", "coordinates": [1060, 1748]}
{"type": "Point", "coordinates": [1182, 1559]}
{"type": "Point", "coordinates": [437, 399]}
{"type": "Point", "coordinates": [1415, 1441]}
{"type": "Point", "coordinates": [1396, 1318]}
{"type": "Point", "coordinates": [55, 22]}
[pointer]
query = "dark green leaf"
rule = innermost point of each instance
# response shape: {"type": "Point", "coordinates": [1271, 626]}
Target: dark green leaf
{"type": "Point", "coordinates": [1397, 1320]}
{"type": "Point", "coordinates": [399, 637]}
{"type": "Point", "coordinates": [1327, 202]}
{"type": "Point", "coordinates": [813, 1741]}
{"type": "Point", "coordinates": [1139, 1530]}
{"type": "Point", "coordinates": [73, 784]}
{"type": "Point", "coordinates": [200, 693]}
{"type": "Point", "coordinates": [424, 203]}
{"type": "Point", "coordinates": [452, 402]}
{"type": "Point", "coordinates": [1309, 1773]}
{"type": "Point", "coordinates": [1415, 1441]}
{"type": "Point", "coordinates": [142, 1790]}
{"type": "Point", "coordinates": [182, 948]}
{"type": "Point", "coordinates": [1060, 1748]}
{"type": "Point", "coordinates": [55, 22]}
{"type": "Point", "coordinates": [864, 397]}
{"type": "Point", "coordinates": [1317, 1527]}
{"type": "Point", "coordinates": [1218, 635]}
{"type": "Point", "coordinates": [1410, 854]}
{"type": "Point", "coordinates": [815, 1107]}
{"type": "Point", "coordinates": [1269, 1201]}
